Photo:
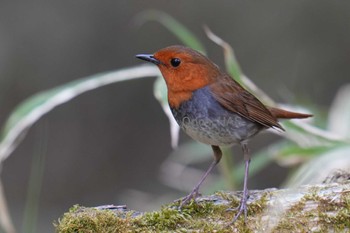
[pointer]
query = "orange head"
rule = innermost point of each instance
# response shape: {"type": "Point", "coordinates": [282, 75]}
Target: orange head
{"type": "Point", "coordinates": [184, 70]}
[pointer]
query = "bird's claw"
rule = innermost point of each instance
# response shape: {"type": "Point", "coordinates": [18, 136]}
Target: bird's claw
{"type": "Point", "coordinates": [192, 196]}
{"type": "Point", "coordinates": [242, 208]}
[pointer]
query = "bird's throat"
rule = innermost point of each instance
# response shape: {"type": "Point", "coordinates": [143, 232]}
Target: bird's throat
{"type": "Point", "coordinates": [178, 97]}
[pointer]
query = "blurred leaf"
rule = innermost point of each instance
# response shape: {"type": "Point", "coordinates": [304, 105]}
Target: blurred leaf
{"type": "Point", "coordinates": [36, 176]}
{"type": "Point", "coordinates": [174, 170]}
{"type": "Point", "coordinates": [160, 90]}
{"type": "Point", "coordinates": [316, 170]}
{"type": "Point", "coordinates": [179, 30]}
{"type": "Point", "coordinates": [195, 152]}
{"type": "Point", "coordinates": [290, 154]}
{"type": "Point", "coordinates": [307, 135]}
{"type": "Point", "coordinates": [232, 65]}
{"type": "Point", "coordinates": [332, 146]}
{"type": "Point", "coordinates": [160, 93]}
{"type": "Point", "coordinates": [190, 153]}
{"type": "Point", "coordinates": [32, 109]}
{"type": "Point", "coordinates": [226, 165]}
{"type": "Point", "coordinates": [233, 68]}
{"type": "Point", "coordinates": [339, 115]}
{"type": "Point", "coordinates": [260, 160]}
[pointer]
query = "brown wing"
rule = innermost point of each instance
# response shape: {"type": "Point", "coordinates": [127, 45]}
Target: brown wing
{"type": "Point", "coordinates": [235, 98]}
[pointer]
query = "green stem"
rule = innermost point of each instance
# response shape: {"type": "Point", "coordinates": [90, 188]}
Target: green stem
{"type": "Point", "coordinates": [35, 182]}
{"type": "Point", "coordinates": [226, 167]}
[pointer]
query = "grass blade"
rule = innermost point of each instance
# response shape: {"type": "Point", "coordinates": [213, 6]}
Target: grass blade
{"type": "Point", "coordinates": [160, 93]}
{"type": "Point", "coordinates": [233, 68]}
{"type": "Point", "coordinates": [32, 109]}
{"type": "Point", "coordinates": [317, 170]}
{"type": "Point", "coordinates": [31, 209]}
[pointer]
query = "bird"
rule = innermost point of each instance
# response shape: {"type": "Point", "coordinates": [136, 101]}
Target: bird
{"type": "Point", "coordinates": [213, 108]}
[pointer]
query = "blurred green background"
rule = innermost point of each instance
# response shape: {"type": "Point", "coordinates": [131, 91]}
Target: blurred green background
{"type": "Point", "coordinates": [106, 146]}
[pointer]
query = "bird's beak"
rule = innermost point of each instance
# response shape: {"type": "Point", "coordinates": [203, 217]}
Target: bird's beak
{"type": "Point", "coordinates": [149, 58]}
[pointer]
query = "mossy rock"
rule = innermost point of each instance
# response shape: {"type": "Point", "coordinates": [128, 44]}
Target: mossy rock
{"type": "Point", "coordinates": [318, 208]}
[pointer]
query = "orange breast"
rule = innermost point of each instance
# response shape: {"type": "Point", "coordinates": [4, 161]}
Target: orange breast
{"type": "Point", "coordinates": [181, 85]}
{"type": "Point", "coordinates": [176, 98]}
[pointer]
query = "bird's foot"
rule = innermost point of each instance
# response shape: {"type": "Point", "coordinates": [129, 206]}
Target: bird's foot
{"type": "Point", "coordinates": [242, 208]}
{"type": "Point", "coordinates": [192, 196]}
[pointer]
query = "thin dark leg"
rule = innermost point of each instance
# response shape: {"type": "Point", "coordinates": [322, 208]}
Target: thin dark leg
{"type": "Point", "coordinates": [194, 193]}
{"type": "Point", "coordinates": [243, 205]}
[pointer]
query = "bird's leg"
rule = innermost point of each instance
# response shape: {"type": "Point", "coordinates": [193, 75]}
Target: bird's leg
{"type": "Point", "coordinates": [194, 193]}
{"type": "Point", "coordinates": [242, 208]}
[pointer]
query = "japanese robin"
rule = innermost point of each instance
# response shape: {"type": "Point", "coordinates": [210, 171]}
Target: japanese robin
{"type": "Point", "coordinates": [213, 108]}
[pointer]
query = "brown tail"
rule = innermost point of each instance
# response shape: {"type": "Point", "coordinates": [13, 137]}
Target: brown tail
{"type": "Point", "coordinates": [284, 114]}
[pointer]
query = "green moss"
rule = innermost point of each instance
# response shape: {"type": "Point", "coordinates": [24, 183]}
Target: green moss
{"type": "Point", "coordinates": [257, 207]}
{"type": "Point", "coordinates": [203, 216]}
{"type": "Point", "coordinates": [339, 221]}
{"type": "Point", "coordinates": [166, 218]}
{"type": "Point", "coordinates": [87, 220]}
{"type": "Point", "coordinates": [192, 216]}
{"type": "Point", "coordinates": [311, 213]}
{"type": "Point", "coordinates": [227, 196]}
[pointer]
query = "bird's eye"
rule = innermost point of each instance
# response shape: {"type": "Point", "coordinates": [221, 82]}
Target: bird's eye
{"type": "Point", "coordinates": [175, 62]}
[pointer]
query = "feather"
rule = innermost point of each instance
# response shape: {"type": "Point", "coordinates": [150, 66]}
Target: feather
{"type": "Point", "coordinates": [235, 98]}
